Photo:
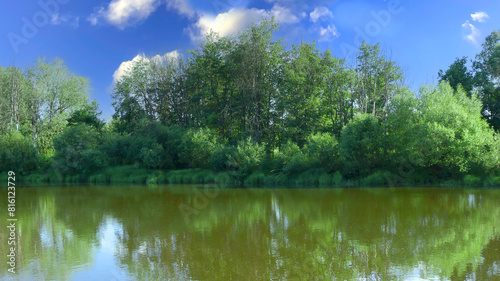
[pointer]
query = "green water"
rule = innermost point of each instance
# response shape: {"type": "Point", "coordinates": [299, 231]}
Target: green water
{"type": "Point", "coordinates": [194, 233]}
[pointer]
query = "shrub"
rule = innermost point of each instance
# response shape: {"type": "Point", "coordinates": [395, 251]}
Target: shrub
{"type": "Point", "coordinates": [375, 179]}
{"type": "Point", "coordinates": [220, 157]}
{"type": "Point", "coordinates": [76, 151]}
{"type": "Point", "coordinates": [289, 158]}
{"type": "Point", "coordinates": [197, 147]}
{"type": "Point", "coordinates": [321, 150]}
{"type": "Point", "coordinates": [471, 180]}
{"type": "Point", "coordinates": [361, 146]}
{"type": "Point", "coordinates": [257, 178]}
{"type": "Point", "coordinates": [248, 157]}
{"type": "Point", "coordinates": [18, 154]}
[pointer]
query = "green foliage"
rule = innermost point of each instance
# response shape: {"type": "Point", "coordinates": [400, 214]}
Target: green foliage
{"type": "Point", "coordinates": [198, 146]}
{"type": "Point", "coordinates": [444, 132]}
{"type": "Point", "coordinates": [322, 150]}
{"type": "Point", "coordinates": [257, 178]}
{"type": "Point", "coordinates": [458, 75]}
{"type": "Point", "coordinates": [245, 109]}
{"type": "Point", "coordinates": [471, 180]}
{"type": "Point", "coordinates": [362, 145]}
{"type": "Point", "coordinates": [191, 176]}
{"type": "Point", "coordinates": [482, 77]}
{"type": "Point", "coordinates": [289, 158]}
{"type": "Point", "coordinates": [220, 156]}
{"type": "Point", "coordinates": [248, 156]}
{"type": "Point", "coordinates": [89, 115]}
{"type": "Point", "coordinates": [375, 179]}
{"type": "Point", "coordinates": [18, 154]}
{"type": "Point", "coordinates": [76, 150]}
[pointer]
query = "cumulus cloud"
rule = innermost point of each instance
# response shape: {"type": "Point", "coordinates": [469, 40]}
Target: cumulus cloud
{"type": "Point", "coordinates": [237, 19]}
{"type": "Point", "coordinates": [479, 16]}
{"type": "Point", "coordinates": [328, 33]}
{"type": "Point", "coordinates": [472, 32]}
{"type": "Point", "coordinates": [127, 65]}
{"type": "Point", "coordinates": [320, 13]}
{"type": "Point", "coordinates": [224, 23]}
{"type": "Point", "coordinates": [58, 19]}
{"type": "Point", "coordinates": [122, 13]}
{"type": "Point", "coordinates": [283, 14]}
{"type": "Point", "coordinates": [182, 7]}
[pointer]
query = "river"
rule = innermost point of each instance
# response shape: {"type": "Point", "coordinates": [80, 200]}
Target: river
{"type": "Point", "coordinates": [206, 233]}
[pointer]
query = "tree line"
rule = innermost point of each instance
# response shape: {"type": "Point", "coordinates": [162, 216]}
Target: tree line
{"type": "Point", "coordinates": [246, 108]}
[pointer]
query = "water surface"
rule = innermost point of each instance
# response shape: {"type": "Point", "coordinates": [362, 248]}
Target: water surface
{"type": "Point", "coordinates": [199, 233]}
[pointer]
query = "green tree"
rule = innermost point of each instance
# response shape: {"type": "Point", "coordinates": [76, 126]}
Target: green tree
{"type": "Point", "coordinates": [303, 89]}
{"type": "Point", "coordinates": [197, 147]}
{"type": "Point", "coordinates": [56, 93]}
{"type": "Point", "coordinates": [487, 78]}
{"type": "Point", "coordinates": [458, 75]}
{"type": "Point", "coordinates": [18, 154]}
{"type": "Point", "coordinates": [322, 150]}
{"type": "Point", "coordinates": [443, 131]}
{"type": "Point", "coordinates": [362, 145]}
{"type": "Point", "coordinates": [258, 75]}
{"type": "Point", "coordinates": [377, 77]}
{"type": "Point", "coordinates": [248, 157]}
{"type": "Point", "coordinates": [76, 151]}
{"type": "Point", "coordinates": [211, 80]}
{"type": "Point", "coordinates": [89, 115]}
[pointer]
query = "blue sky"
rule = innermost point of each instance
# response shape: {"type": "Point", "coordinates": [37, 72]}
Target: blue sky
{"type": "Point", "coordinates": [98, 39]}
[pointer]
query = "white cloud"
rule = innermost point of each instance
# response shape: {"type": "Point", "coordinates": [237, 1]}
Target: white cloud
{"type": "Point", "coordinates": [127, 65]}
{"type": "Point", "coordinates": [225, 23]}
{"type": "Point", "coordinates": [58, 19]}
{"type": "Point", "coordinates": [328, 33]}
{"type": "Point", "coordinates": [237, 19]}
{"type": "Point", "coordinates": [473, 33]}
{"type": "Point", "coordinates": [479, 16]}
{"type": "Point", "coordinates": [122, 13]}
{"type": "Point", "coordinates": [319, 13]}
{"type": "Point", "coordinates": [182, 7]}
{"type": "Point", "coordinates": [283, 15]}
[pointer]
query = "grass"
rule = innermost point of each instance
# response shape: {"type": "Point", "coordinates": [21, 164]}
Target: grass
{"type": "Point", "coordinates": [313, 177]}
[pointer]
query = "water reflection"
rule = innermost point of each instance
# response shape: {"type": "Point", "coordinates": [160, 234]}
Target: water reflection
{"type": "Point", "coordinates": [139, 233]}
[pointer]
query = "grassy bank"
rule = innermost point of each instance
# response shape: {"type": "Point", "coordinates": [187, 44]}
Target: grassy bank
{"type": "Point", "coordinates": [311, 177]}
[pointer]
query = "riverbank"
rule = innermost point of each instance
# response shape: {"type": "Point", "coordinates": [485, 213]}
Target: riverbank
{"type": "Point", "coordinates": [311, 177]}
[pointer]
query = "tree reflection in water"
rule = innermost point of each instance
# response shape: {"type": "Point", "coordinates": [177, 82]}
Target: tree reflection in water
{"type": "Point", "coordinates": [139, 233]}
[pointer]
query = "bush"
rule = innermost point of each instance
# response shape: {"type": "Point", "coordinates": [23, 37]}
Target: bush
{"type": "Point", "coordinates": [321, 150]}
{"type": "Point", "coordinates": [289, 158]}
{"type": "Point", "coordinates": [492, 181]}
{"type": "Point", "coordinates": [375, 179]}
{"type": "Point", "coordinates": [257, 178]}
{"type": "Point", "coordinates": [18, 154]}
{"type": "Point", "coordinates": [197, 147]}
{"type": "Point", "coordinates": [220, 157]}
{"type": "Point", "coordinates": [310, 177]}
{"type": "Point", "coordinates": [471, 180]}
{"type": "Point", "coordinates": [157, 177]}
{"type": "Point", "coordinates": [248, 157]}
{"type": "Point", "coordinates": [361, 145]}
{"type": "Point", "coordinates": [76, 151]}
